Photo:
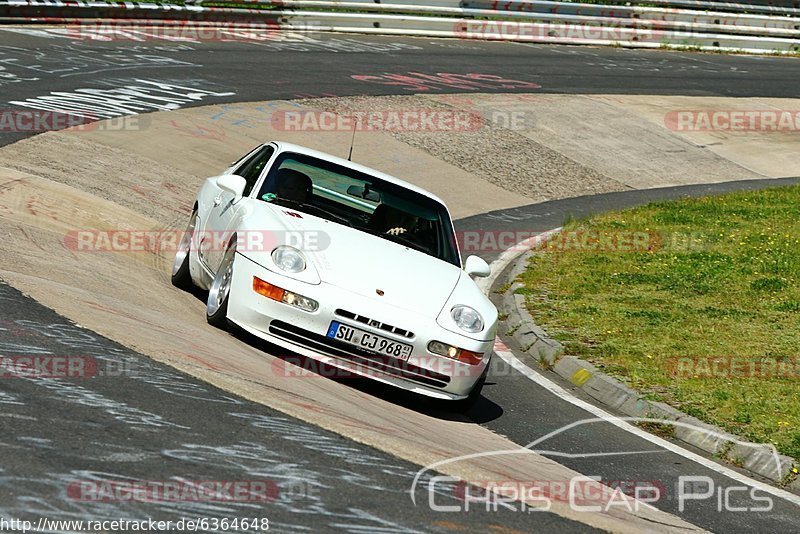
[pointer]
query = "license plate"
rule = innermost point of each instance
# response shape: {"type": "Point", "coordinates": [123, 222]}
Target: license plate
{"type": "Point", "coordinates": [369, 341]}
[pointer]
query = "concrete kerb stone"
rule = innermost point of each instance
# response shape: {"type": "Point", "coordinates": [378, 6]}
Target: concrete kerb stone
{"type": "Point", "coordinates": [759, 459]}
{"type": "Point", "coordinates": [704, 436]}
{"type": "Point", "coordinates": [532, 339]}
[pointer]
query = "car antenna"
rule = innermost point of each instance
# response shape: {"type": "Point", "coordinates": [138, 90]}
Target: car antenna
{"type": "Point", "coordinates": [352, 140]}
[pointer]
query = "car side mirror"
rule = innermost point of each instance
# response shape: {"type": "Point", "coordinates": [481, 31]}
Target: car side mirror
{"type": "Point", "coordinates": [232, 183]}
{"type": "Point", "coordinates": [475, 266]}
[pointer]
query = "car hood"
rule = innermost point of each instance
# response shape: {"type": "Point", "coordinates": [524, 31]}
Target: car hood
{"type": "Point", "coordinates": [359, 262]}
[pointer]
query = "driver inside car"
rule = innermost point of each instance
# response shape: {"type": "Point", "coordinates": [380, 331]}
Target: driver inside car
{"type": "Point", "coordinates": [293, 185]}
{"type": "Point", "coordinates": [392, 221]}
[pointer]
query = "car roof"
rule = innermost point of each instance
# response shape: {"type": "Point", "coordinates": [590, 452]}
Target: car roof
{"type": "Point", "coordinates": [289, 147]}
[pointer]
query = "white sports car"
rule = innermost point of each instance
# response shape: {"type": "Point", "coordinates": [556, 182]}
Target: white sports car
{"type": "Point", "coordinates": [342, 264]}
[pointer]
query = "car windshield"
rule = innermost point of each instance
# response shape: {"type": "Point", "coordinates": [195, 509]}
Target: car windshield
{"type": "Point", "coordinates": [361, 201]}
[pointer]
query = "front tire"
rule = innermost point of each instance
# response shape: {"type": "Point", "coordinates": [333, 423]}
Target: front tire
{"type": "Point", "coordinates": [218, 295]}
{"type": "Point", "coordinates": [465, 405]}
{"type": "Point", "coordinates": [181, 277]}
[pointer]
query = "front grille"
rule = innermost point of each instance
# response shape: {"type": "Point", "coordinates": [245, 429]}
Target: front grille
{"type": "Point", "coordinates": [337, 349]}
{"type": "Point", "coordinates": [374, 324]}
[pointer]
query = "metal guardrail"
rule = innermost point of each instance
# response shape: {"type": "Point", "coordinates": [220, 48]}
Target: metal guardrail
{"type": "Point", "coordinates": [627, 16]}
{"type": "Point", "coordinates": [534, 21]}
{"type": "Point", "coordinates": [753, 6]}
{"type": "Point", "coordinates": [686, 10]}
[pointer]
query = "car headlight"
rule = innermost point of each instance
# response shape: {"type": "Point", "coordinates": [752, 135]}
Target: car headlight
{"type": "Point", "coordinates": [467, 319]}
{"type": "Point", "coordinates": [289, 259]}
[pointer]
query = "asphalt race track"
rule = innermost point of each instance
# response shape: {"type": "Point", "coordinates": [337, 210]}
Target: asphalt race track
{"type": "Point", "coordinates": [155, 422]}
{"type": "Point", "coordinates": [162, 422]}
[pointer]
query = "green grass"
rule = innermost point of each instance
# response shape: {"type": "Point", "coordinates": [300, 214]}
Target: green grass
{"type": "Point", "coordinates": [719, 277]}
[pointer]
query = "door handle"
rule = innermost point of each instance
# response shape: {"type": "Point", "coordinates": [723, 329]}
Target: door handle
{"type": "Point", "coordinates": [217, 200]}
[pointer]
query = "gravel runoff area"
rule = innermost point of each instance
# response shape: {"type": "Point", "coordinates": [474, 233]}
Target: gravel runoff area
{"type": "Point", "coordinates": [496, 153]}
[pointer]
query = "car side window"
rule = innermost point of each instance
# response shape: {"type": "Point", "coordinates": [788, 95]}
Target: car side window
{"type": "Point", "coordinates": [251, 168]}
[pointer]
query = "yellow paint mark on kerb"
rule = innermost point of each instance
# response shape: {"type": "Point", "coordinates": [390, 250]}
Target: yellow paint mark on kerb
{"type": "Point", "coordinates": [580, 377]}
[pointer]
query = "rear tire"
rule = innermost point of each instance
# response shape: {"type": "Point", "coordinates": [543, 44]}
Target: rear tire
{"type": "Point", "coordinates": [181, 276]}
{"type": "Point", "coordinates": [218, 295]}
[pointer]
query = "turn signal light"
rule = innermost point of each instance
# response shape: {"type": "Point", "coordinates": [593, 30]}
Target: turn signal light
{"type": "Point", "coordinates": [461, 355]}
{"type": "Point", "coordinates": [268, 290]}
{"type": "Point", "coordinates": [281, 295]}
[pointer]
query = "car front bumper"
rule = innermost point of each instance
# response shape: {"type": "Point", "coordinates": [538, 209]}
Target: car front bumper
{"type": "Point", "coordinates": [305, 332]}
